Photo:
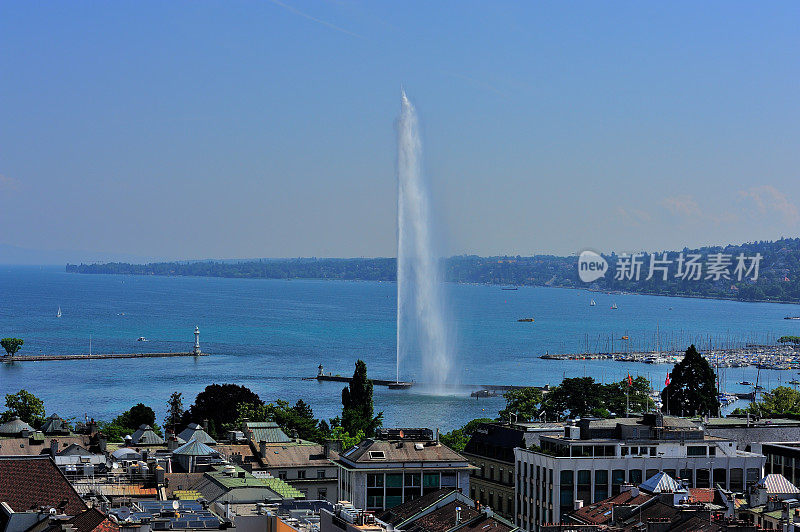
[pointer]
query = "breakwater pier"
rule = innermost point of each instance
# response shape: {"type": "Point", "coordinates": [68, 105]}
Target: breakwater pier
{"type": "Point", "coordinates": [402, 385]}
{"type": "Point", "coordinates": [96, 356]}
{"type": "Point", "coordinates": [777, 357]}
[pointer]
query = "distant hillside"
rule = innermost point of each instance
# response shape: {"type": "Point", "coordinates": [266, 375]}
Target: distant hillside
{"type": "Point", "coordinates": [778, 276]}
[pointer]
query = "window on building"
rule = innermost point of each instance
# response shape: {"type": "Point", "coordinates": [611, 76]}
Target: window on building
{"type": "Point", "coordinates": [720, 477]}
{"type": "Point", "coordinates": [449, 480]}
{"type": "Point", "coordinates": [394, 489]}
{"type": "Point", "coordinates": [650, 473]}
{"type": "Point", "coordinates": [320, 473]}
{"type": "Point", "coordinates": [752, 477]}
{"type": "Point", "coordinates": [567, 496]}
{"type": "Point", "coordinates": [491, 472]}
{"type": "Point", "coordinates": [301, 473]}
{"type": "Point", "coordinates": [375, 484]}
{"type": "Point", "coordinates": [322, 493]}
{"type": "Point", "coordinates": [696, 450]}
{"type": "Point", "coordinates": [282, 475]}
{"type": "Point", "coordinates": [635, 476]}
{"type": "Point", "coordinates": [430, 482]}
{"type": "Point", "coordinates": [737, 479]}
{"type": "Point", "coordinates": [584, 482]}
{"type": "Point", "coordinates": [617, 479]}
{"type": "Point", "coordinates": [688, 476]}
{"type": "Point", "coordinates": [703, 479]}
{"type": "Point", "coordinates": [712, 451]}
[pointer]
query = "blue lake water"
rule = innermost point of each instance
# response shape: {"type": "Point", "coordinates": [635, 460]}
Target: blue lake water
{"type": "Point", "coordinates": [269, 334]}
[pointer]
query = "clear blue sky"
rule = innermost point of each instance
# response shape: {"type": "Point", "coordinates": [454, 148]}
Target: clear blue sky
{"type": "Point", "coordinates": [264, 128]}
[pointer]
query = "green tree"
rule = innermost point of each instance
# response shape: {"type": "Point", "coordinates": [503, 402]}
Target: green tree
{"type": "Point", "coordinates": [692, 390]}
{"type": "Point", "coordinates": [174, 411]}
{"type": "Point", "coordinates": [348, 441]}
{"type": "Point", "coordinates": [292, 419]}
{"type": "Point", "coordinates": [524, 404]}
{"type": "Point", "coordinates": [219, 404]}
{"type": "Point", "coordinates": [26, 406]}
{"type": "Point", "coordinates": [781, 401]}
{"type": "Point", "coordinates": [794, 340]}
{"type": "Point", "coordinates": [11, 345]}
{"type": "Point", "coordinates": [457, 439]}
{"type": "Point", "coordinates": [357, 408]}
{"type": "Point", "coordinates": [574, 397]}
{"type": "Point", "coordinates": [139, 414]}
{"type": "Point", "coordinates": [619, 395]}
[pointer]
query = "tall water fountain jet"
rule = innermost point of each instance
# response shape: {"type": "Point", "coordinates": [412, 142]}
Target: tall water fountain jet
{"type": "Point", "coordinates": [421, 326]}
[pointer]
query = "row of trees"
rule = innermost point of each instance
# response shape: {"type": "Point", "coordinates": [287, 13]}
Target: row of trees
{"type": "Point", "coordinates": [691, 390]}
{"type": "Point", "coordinates": [225, 406]}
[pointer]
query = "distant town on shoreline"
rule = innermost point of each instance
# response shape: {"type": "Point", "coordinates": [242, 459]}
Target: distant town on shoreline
{"type": "Point", "coordinates": [778, 276]}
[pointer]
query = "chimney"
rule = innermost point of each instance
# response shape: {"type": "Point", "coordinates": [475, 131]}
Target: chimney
{"type": "Point", "coordinates": [578, 504]}
{"type": "Point", "coordinates": [160, 475]}
{"type": "Point", "coordinates": [332, 446]}
{"type": "Point", "coordinates": [53, 447]}
{"type": "Point", "coordinates": [634, 492]}
{"type": "Point", "coordinates": [262, 448]}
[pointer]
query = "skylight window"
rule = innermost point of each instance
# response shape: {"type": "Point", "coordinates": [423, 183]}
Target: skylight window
{"type": "Point", "coordinates": [377, 455]}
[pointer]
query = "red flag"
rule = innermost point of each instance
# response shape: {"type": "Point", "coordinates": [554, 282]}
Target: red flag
{"type": "Point", "coordinates": [666, 382]}
{"type": "Point", "coordinates": [630, 380]}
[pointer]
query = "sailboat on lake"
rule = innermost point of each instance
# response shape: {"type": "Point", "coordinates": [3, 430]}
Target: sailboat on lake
{"type": "Point", "coordinates": [58, 314]}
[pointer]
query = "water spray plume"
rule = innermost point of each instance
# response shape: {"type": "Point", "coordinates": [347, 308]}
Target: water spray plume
{"type": "Point", "coordinates": [421, 326]}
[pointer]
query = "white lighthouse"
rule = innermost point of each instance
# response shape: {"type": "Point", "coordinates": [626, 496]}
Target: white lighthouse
{"type": "Point", "coordinates": [196, 340]}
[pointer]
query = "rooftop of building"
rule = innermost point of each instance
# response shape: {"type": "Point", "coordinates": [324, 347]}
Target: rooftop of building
{"type": "Point", "coordinates": [730, 422]}
{"type": "Point", "coordinates": [600, 512]}
{"type": "Point", "coordinates": [233, 477]}
{"type": "Point", "coordinates": [402, 512]}
{"type": "Point", "coordinates": [296, 455]}
{"type": "Point", "coordinates": [373, 451]}
{"type": "Point", "coordinates": [268, 431]}
{"type": "Point", "coordinates": [32, 482]}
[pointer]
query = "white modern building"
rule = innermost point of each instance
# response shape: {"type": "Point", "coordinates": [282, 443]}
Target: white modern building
{"type": "Point", "coordinates": [594, 459]}
{"type": "Point", "coordinates": [398, 466]}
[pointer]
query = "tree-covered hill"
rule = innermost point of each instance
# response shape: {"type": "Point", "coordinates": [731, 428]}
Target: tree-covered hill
{"type": "Point", "coordinates": [778, 272]}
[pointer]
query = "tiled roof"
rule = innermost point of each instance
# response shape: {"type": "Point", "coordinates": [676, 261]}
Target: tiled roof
{"type": "Point", "coordinates": [369, 451]}
{"type": "Point", "coordinates": [196, 432]}
{"type": "Point", "coordinates": [146, 436]}
{"type": "Point", "coordinates": [14, 427]}
{"type": "Point", "coordinates": [268, 431]}
{"type": "Point", "coordinates": [194, 448]}
{"type": "Point", "coordinates": [488, 524]}
{"type": "Point", "coordinates": [31, 482]}
{"type": "Point", "coordinates": [600, 512]}
{"type": "Point", "coordinates": [92, 520]}
{"type": "Point", "coordinates": [55, 425]}
{"type": "Point", "coordinates": [182, 481]}
{"type": "Point", "coordinates": [701, 495]}
{"type": "Point", "coordinates": [242, 478]}
{"type": "Point", "coordinates": [408, 509]}
{"type": "Point", "coordinates": [775, 483]}
{"type": "Point", "coordinates": [296, 454]}
{"type": "Point", "coordinates": [21, 447]}
{"type": "Point", "coordinates": [444, 518]}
